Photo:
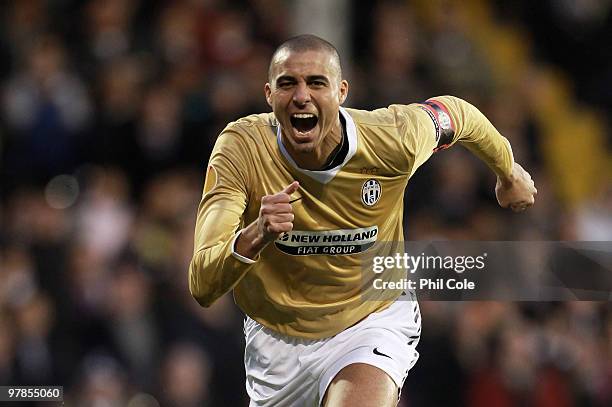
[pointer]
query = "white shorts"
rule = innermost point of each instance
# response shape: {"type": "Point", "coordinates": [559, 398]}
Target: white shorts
{"type": "Point", "coordinates": [284, 370]}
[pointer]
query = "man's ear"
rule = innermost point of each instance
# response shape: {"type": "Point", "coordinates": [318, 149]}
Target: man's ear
{"type": "Point", "coordinates": [268, 92]}
{"type": "Point", "coordinates": [344, 88]}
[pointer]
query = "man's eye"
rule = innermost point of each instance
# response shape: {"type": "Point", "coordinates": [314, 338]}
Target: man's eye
{"type": "Point", "coordinates": [317, 84]}
{"type": "Point", "coordinates": [285, 85]}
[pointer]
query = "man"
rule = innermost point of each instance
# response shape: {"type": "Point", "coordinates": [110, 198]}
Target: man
{"type": "Point", "coordinates": [285, 192]}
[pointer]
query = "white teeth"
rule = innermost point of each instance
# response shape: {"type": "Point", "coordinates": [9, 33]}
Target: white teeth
{"type": "Point", "coordinates": [303, 115]}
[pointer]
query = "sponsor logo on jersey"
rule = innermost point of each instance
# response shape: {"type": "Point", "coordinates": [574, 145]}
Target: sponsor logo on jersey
{"type": "Point", "coordinates": [370, 192]}
{"type": "Point", "coordinates": [369, 170]}
{"type": "Point", "coordinates": [327, 242]}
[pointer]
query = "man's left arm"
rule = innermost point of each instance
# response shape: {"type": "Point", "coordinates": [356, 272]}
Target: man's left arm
{"type": "Point", "coordinates": [455, 120]}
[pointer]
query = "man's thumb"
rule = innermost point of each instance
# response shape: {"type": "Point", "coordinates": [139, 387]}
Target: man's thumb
{"type": "Point", "coordinates": [291, 188]}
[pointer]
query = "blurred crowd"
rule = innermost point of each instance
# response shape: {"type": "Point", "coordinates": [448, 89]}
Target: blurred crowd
{"type": "Point", "coordinates": [108, 113]}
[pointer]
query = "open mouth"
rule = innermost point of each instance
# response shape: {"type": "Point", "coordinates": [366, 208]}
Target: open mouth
{"type": "Point", "coordinates": [304, 122]}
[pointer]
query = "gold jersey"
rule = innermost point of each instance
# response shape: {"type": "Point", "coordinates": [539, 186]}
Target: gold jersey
{"type": "Point", "coordinates": [308, 282]}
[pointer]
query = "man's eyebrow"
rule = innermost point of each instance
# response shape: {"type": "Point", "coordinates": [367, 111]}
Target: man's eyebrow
{"type": "Point", "coordinates": [317, 78]}
{"type": "Point", "coordinates": [285, 78]}
{"type": "Point", "coordinates": [309, 78]}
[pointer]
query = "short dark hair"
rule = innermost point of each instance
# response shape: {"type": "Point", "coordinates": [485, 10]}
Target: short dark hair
{"type": "Point", "coordinates": [306, 42]}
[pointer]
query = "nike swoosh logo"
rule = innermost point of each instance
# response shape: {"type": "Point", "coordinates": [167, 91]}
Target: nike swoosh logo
{"type": "Point", "coordinates": [376, 352]}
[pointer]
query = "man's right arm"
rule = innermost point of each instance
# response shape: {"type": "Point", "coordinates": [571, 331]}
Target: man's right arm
{"type": "Point", "coordinates": [214, 270]}
{"type": "Point", "coordinates": [222, 254]}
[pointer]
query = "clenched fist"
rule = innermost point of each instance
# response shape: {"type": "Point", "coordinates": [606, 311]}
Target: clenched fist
{"type": "Point", "coordinates": [517, 192]}
{"type": "Point", "coordinates": [275, 217]}
{"type": "Point", "coordinates": [276, 213]}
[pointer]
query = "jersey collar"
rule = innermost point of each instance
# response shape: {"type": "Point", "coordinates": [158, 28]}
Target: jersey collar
{"type": "Point", "coordinates": [325, 176]}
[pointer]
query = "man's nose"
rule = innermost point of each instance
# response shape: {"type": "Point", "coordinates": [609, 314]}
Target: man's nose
{"type": "Point", "coordinates": [301, 96]}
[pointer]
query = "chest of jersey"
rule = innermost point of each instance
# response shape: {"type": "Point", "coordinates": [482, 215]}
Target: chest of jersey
{"type": "Point", "coordinates": [361, 204]}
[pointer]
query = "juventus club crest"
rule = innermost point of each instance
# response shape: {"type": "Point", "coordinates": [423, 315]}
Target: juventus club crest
{"type": "Point", "coordinates": [370, 192]}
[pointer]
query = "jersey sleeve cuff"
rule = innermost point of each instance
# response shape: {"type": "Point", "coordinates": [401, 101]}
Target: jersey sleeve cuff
{"type": "Point", "coordinates": [237, 256]}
